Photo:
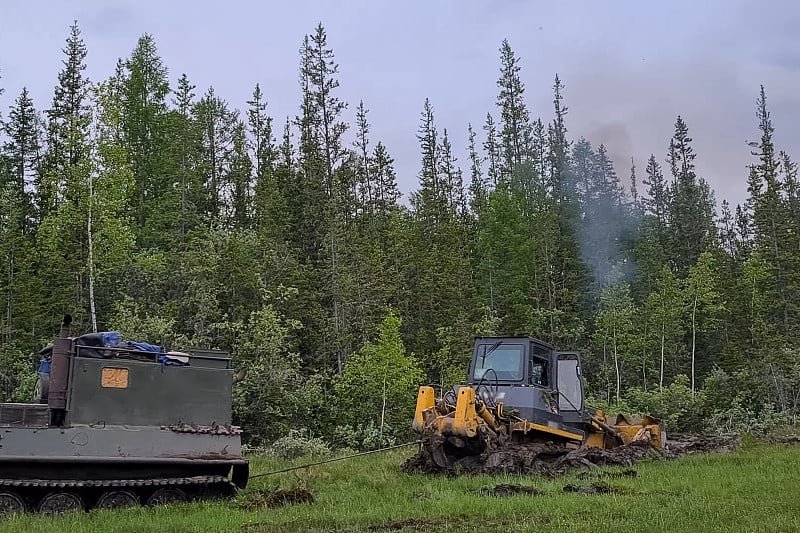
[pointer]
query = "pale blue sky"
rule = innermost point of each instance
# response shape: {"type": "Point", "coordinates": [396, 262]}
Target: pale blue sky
{"type": "Point", "coordinates": [629, 67]}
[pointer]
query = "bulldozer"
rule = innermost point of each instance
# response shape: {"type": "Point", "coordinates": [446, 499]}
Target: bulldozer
{"type": "Point", "coordinates": [521, 390]}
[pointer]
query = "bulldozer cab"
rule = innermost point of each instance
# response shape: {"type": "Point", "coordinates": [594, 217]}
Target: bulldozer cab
{"type": "Point", "coordinates": [528, 374]}
{"type": "Point", "coordinates": [522, 361]}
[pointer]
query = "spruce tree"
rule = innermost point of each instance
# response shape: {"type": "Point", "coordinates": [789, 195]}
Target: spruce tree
{"type": "Point", "coordinates": [62, 192]}
{"type": "Point", "coordinates": [217, 125]}
{"type": "Point", "coordinates": [144, 90]}
{"type": "Point", "coordinates": [514, 116]}
{"type": "Point", "coordinates": [657, 200]}
{"type": "Point", "coordinates": [364, 183]}
{"type": "Point", "coordinates": [492, 148]}
{"type": "Point", "coordinates": [690, 213]}
{"type": "Point", "coordinates": [182, 161]}
{"type": "Point", "coordinates": [239, 178]}
{"type": "Point", "coordinates": [558, 144]}
{"type": "Point", "coordinates": [478, 186]}
{"type": "Point", "coordinates": [382, 171]}
{"type": "Point", "coordinates": [68, 121]}
{"type": "Point", "coordinates": [769, 213]}
{"type": "Point", "coordinates": [23, 152]}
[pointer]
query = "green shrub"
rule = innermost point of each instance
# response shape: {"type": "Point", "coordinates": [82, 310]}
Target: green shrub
{"type": "Point", "coordinates": [675, 405]}
{"type": "Point", "coordinates": [298, 443]}
{"type": "Point", "coordinates": [363, 437]}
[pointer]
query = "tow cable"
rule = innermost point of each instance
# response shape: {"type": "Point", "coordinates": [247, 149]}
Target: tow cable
{"type": "Point", "coordinates": [337, 459]}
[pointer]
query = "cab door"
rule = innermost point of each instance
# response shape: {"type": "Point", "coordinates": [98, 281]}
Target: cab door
{"type": "Point", "coordinates": [570, 383]}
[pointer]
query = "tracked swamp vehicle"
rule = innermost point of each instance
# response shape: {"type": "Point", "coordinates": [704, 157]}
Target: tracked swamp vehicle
{"type": "Point", "coordinates": [117, 427]}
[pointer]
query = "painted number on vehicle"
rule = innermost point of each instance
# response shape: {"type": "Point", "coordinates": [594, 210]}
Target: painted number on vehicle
{"type": "Point", "coordinates": [114, 378]}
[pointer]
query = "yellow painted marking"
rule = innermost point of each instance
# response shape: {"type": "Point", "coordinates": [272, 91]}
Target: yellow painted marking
{"type": "Point", "coordinates": [114, 378]}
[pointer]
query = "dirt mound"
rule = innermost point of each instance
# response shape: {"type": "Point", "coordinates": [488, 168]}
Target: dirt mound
{"type": "Point", "coordinates": [418, 524]}
{"type": "Point", "coordinates": [549, 459]}
{"type": "Point", "coordinates": [592, 488]}
{"type": "Point", "coordinates": [503, 490]}
{"type": "Point", "coordinates": [260, 499]}
{"type": "Point", "coordinates": [689, 444]}
{"type": "Point", "coordinates": [606, 474]}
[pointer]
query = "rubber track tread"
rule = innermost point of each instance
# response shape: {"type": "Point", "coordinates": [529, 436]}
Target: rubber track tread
{"type": "Point", "coordinates": [65, 483]}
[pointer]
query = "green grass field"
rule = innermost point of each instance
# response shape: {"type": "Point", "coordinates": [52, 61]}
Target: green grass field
{"type": "Point", "coordinates": [756, 488]}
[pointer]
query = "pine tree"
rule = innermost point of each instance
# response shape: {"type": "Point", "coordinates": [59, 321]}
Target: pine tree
{"type": "Point", "coordinates": [634, 188]}
{"type": "Point", "coordinates": [144, 91]}
{"type": "Point", "coordinates": [478, 186]}
{"type": "Point", "coordinates": [438, 277]}
{"type": "Point", "coordinates": [239, 178]}
{"type": "Point", "coordinates": [19, 158]}
{"type": "Point", "coordinates": [539, 151]}
{"type": "Point", "coordinates": [691, 209]}
{"type": "Point", "coordinates": [429, 202]}
{"type": "Point", "coordinates": [652, 242]}
{"type": "Point", "coordinates": [68, 122]}
{"type": "Point", "coordinates": [182, 161]}
{"type": "Point", "coordinates": [769, 213]}
{"type": "Point", "coordinates": [110, 236]}
{"type": "Point", "coordinates": [217, 125]}
{"type": "Point", "coordinates": [260, 128]}
{"type": "Point", "coordinates": [322, 70]}
{"type": "Point", "coordinates": [366, 187]}
{"type": "Point", "coordinates": [452, 182]}
{"type": "Point", "coordinates": [656, 202]}
{"type": "Point", "coordinates": [558, 144]}
{"type": "Point", "coordinates": [23, 152]}
{"type": "Point", "coordinates": [63, 199]}
{"type": "Point", "coordinates": [386, 192]}
{"type": "Point", "coordinates": [269, 203]}
{"type": "Point", "coordinates": [492, 148]}
{"type": "Point", "coordinates": [514, 117]}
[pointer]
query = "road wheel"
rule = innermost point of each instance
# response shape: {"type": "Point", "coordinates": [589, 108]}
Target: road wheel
{"type": "Point", "coordinates": [117, 499]}
{"type": "Point", "coordinates": [11, 503]}
{"type": "Point", "coordinates": [166, 496]}
{"type": "Point", "coordinates": [57, 503]}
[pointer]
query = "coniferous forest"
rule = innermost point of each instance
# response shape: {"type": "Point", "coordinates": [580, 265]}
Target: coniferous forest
{"type": "Point", "coordinates": [160, 210]}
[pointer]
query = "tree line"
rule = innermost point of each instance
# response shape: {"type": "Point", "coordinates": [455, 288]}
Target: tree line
{"type": "Point", "coordinates": [170, 215]}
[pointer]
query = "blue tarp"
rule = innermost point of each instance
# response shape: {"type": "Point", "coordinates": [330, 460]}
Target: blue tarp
{"type": "Point", "coordinates": [111, 338]}
{"type": "Point", "coordinates": [143, 346]}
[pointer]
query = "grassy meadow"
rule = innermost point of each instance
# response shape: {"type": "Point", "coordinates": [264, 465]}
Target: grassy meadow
{"type": "Point", "coordinates": [756, 488]}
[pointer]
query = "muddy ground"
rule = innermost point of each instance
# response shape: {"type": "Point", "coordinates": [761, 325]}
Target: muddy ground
{"type": "Point", "coordinates": [550, 460]}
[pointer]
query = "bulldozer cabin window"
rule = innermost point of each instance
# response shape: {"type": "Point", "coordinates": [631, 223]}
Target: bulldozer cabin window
{"type": "Point", "coordinates": [503, 362]}
{"type": "Point", "coordinates": [539, 372]}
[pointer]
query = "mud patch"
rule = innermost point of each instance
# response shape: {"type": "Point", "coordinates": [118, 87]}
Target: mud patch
{"type": "Point", "coordinates": [551, 460]}
{"type": "Point", "coordinates": [504, 490]}
{"type": "Point", "coordinates": [417, 524]}
{"type": "Point", "coordinates": [593, 488]}
{"type": "Point", "coordinates": [605, 474]}
{"type": "Point", "coordinates": [261, 499]}
{"type": "Point", "coordinates": [690, 444]}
